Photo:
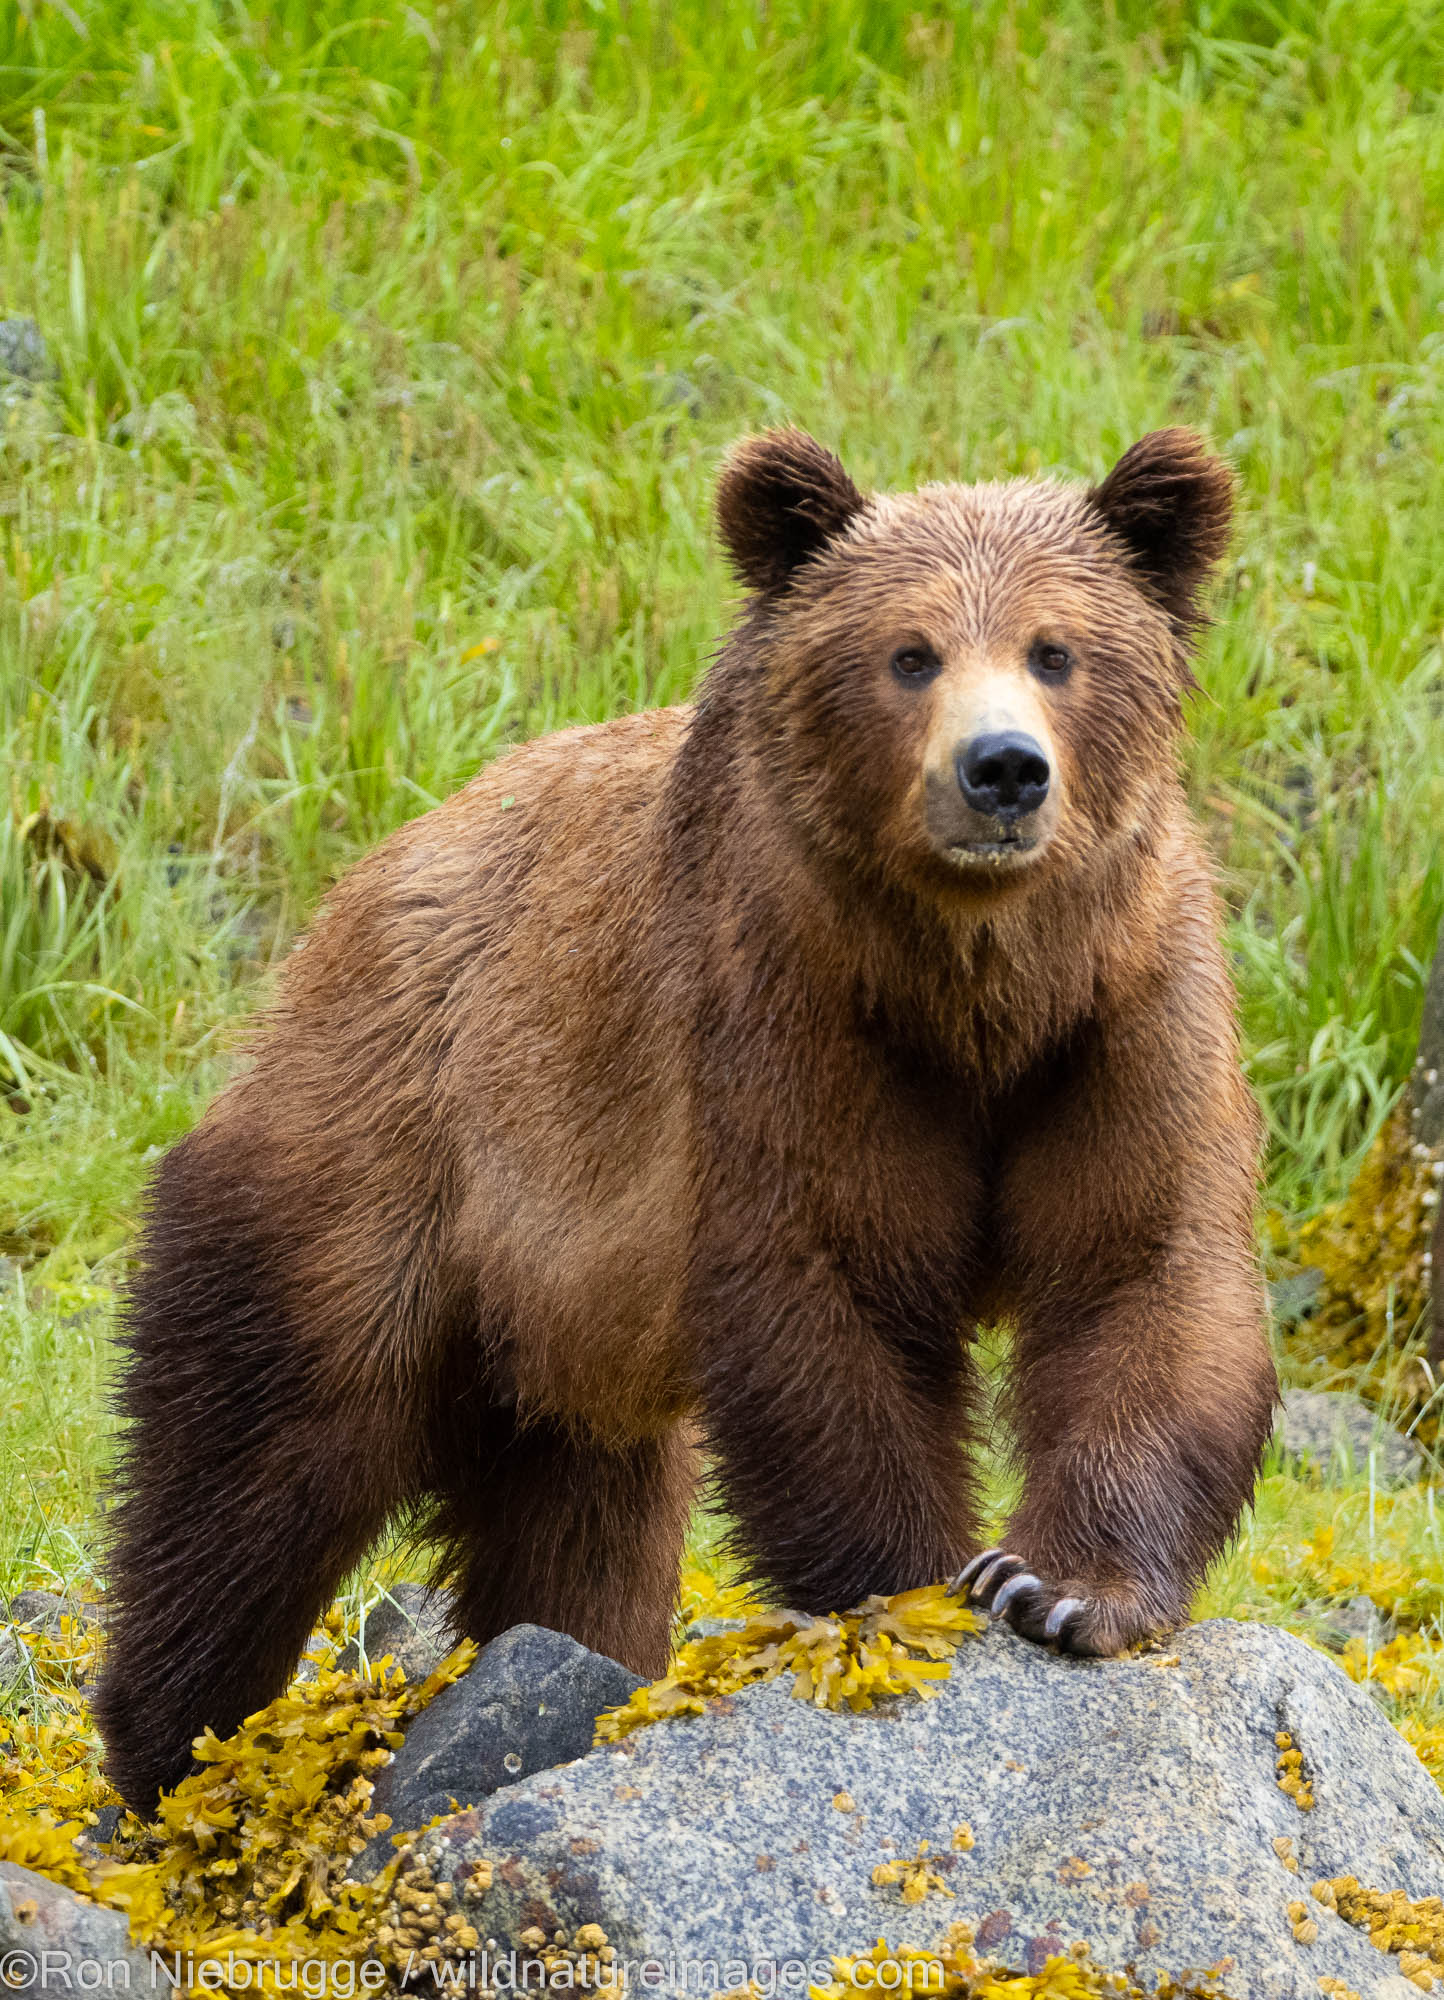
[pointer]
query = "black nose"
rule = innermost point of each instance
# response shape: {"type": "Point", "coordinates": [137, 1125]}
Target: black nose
{"type": "Point", "coordinates": [1004, 775]}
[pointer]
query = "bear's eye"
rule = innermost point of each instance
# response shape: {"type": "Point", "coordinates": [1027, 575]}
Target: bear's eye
{"type": "Point", "coordinates": [1050, 661]}
{"type": "Point", "coordinates": [915, 663]}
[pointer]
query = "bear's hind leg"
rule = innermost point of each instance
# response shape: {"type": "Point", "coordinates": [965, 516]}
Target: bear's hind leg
{"type": "Point", "coordinates": [247, 1487]}
{"type": "Point", "coordinates": [544, 1526]}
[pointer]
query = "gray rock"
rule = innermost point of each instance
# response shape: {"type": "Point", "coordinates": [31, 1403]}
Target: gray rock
{"type": "Point", "coordinates": [1130, 1802]}
{"type": "Point", "coordinates": [23, 351]}
{"type": "Point", "coordinates": [1295, 1297]}
{"type": "Point", "coordinates": [708, 1628]}
{"type": "Point", "coordinates": [38, 1610]}
{"type": "Point", "coordinates": [410, 1623]}
{"type": "Point", "coordinates": [531, 1701]}
{"type": "Point", "coordinates": [681, 392]}
{"type": "Point", "coordinates": [106, 1821]}
{"type": "Point", "coordinates": [1360, 1618]}
{"type": "Point", "coordinates": [29, 1611]}
{"type": "Point", "coordinates": [47, 1934]}
{"type": "Point", "coordinates": [1337, 1431]}
{"type": "Point", "coordinates": [14, 1660]}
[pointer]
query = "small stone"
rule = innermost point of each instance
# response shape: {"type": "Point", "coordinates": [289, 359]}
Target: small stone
{"type": "Point", "coordinates": [23, 351]}
{"type": "Point", "coordinates": [39, 1611]}
{"type": "Point", "coordinates": [14, 1658]}
{"type": "Point", "coordinates": [1294, 1297]}
{"type": "Point", "coordinates": [709, 1628]}
{"type": "Point", "coordinates": [1360, 1618]}
{"type": "Point", "coordinates": [1336, 1431]}
{"type": "Point", "coordinates": [530, 1701]}
{"type": "Point", "coordinates": [411, 1624]}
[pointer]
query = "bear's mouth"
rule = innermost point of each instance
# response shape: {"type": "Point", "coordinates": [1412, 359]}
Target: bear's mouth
{"type": "Point", "coordinates": [1001, 847]}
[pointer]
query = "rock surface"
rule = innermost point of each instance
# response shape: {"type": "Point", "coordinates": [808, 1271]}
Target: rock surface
{"type": "Point", "coordinates": [51, 1941]}
{"type": "Point", "coordinates": [31, 1611]}
{"type": "Point", "coordinates": [530, 1702]}
{"type": "Point", "coordinates": [410, 1624]}
{"type": "Point", "coordinates": [1294, 1298]}
{"type": "Point", "coordinates": [38, 1610]}
{"type": "Point", "coordinates": [1130, 1802]}
{"type": "Point", "coordinates": [23, 351]}
{"type": "Point", "coordinates": [1335, 1429]}
{"type": "Point", "coordinates": [1359, 1618]}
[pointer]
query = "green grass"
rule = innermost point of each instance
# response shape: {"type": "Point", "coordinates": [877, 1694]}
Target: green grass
{"type": "Point", "coordinates": [394, 353]}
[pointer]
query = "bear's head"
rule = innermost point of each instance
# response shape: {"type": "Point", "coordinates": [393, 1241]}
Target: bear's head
{"type": "Point", "coordinates": [971, 685]}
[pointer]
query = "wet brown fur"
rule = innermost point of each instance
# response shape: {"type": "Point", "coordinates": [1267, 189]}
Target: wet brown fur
{"type": "Point", "coordinates": [667, 1076]}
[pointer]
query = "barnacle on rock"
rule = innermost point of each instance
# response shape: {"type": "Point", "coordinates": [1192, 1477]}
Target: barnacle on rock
{"type": "Point", "coordinates": [1412, 1931]}
{"type": "Point", "coordinates": [887, 1646]}
{"type": "Point", "coordinates": [1292, 1777]}
{"type": "Point", "coordinates": [586, 1963]}
{"type": "Point", "coordinates": [1305, 1929]}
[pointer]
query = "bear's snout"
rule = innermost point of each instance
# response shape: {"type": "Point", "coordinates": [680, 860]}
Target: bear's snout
{"type": "Point", "coordinates": [993, 783]}
{"type": "Point", "coordinates": [1004, 775]}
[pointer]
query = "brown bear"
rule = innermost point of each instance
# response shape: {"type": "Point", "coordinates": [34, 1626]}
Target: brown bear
{"type": "Point", "coordinates": [712, 1074]}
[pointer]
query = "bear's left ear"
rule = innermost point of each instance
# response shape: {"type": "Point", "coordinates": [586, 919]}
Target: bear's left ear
{"type": "Point", "coordinates": [781, 498]}
{"type": "Point", "coordinates": [1169, 500]}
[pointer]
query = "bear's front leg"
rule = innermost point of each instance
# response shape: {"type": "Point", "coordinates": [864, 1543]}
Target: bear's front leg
{"type": "Point", "coordinates": [1143, 1390]}
{"type": "Point", "coordinates": [837, 1439]}
{"type": "Point", "coordinates": [1141, 1415]}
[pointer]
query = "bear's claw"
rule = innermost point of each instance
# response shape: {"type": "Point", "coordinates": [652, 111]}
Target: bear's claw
{"type": "Point", "coordinates": [1063, 1613]}
{"type": "Point", "coordinates": [1002, 1585]}
{"type": "Point", "coordinates": [1023, 1580]}
{"type": "Point", "coordinates": [970, 1569]}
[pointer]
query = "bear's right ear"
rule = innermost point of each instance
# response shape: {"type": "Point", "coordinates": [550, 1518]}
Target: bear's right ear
{"type": "Point", "coordinates": [1170, 502]}
{"type": "Point", "coordinates": [781, 498]}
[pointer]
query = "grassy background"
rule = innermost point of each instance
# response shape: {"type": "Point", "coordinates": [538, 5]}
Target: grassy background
{"type": "Point", "coordinates": [393, 353]}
